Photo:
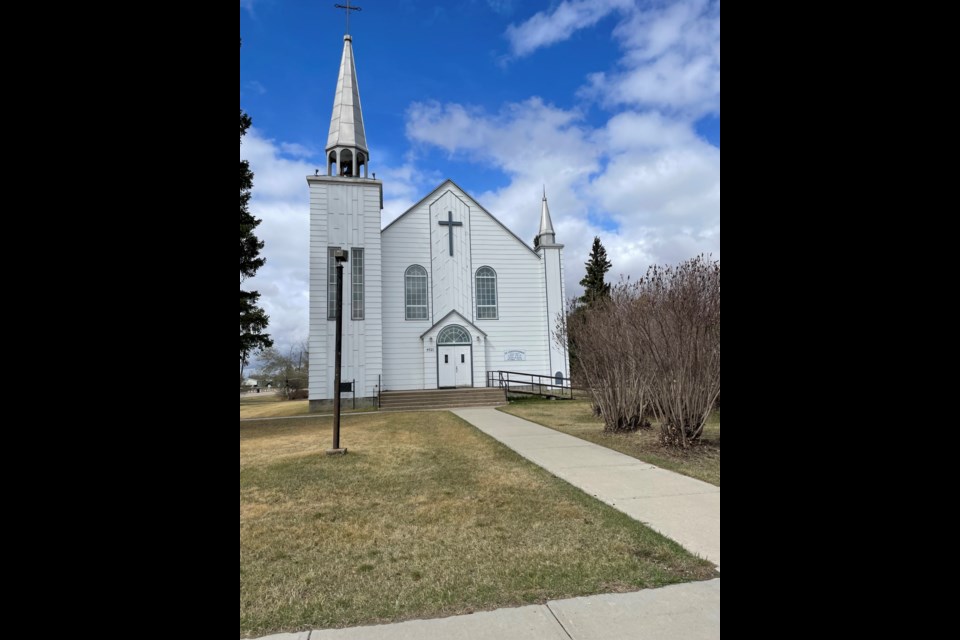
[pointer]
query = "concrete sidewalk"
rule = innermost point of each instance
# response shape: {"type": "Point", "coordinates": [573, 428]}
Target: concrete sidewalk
{"type": "Point", "coordinates": [689, 611]}
{"type": "Point", "coordinates": [681, 508]}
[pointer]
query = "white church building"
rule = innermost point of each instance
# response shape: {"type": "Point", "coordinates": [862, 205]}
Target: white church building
{"type": "Point", "coordinates": [440, 297]}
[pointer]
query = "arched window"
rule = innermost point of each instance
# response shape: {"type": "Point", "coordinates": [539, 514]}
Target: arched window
{"type": "Point", "coordinates": [486, 294]}
{"type": "Point", "coordinates": [415, 292]}
{"type": "Point", "coordinates": [454, 334]}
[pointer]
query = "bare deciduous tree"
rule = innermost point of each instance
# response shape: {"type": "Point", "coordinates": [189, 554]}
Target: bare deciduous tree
{"type": "Point", "coordinates": [288, 373]}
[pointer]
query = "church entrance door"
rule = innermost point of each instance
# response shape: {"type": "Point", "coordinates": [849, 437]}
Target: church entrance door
{"type": "Point", "coordinates": [454, 366]}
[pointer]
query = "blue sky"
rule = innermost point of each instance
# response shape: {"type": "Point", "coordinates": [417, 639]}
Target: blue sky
{"type": "Point", "coordinates": [614, 105]}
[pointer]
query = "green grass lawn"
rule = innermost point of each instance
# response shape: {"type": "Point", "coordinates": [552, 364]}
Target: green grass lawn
{"type": "Point", "coordinates": [424, 517]}
{"type": "Point", "coordinates": [576, 418]}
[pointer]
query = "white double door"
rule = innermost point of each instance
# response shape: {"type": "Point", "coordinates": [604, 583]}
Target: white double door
{"type": "Point", "coordinates": [454, 366]}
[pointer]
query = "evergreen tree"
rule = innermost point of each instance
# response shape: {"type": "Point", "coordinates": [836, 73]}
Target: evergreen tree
{"type": "Point", "coordinates": [253, 320]}
{"type": "Point", "coordinates": [592, 283]}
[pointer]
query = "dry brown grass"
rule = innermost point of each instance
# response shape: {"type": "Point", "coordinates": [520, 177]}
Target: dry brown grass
{"type": "Point", "coordinates": [576, 418]}
{"type": "Point", "coordinates": [274, 406]}
{"type": "Point", "coordinates": [424, 517]}
{"type": "Point", "coordinates": [271, 405]}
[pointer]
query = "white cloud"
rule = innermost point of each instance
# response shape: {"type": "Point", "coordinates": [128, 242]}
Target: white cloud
{"type": "Point", "coordinates": [280, 199]}
{"type": "Point", "coordinates": [296, 150]}
{"type": "Point", "coordinates": [643, 181]}
{"type": "Point", "coordinates": [547, 28]}
{"type": "Point", "coordinates": [671, 60]}
{"type": "Point", "coordinates": [534, 143]}
{"type": "Point", "coordinates": [277, 177]}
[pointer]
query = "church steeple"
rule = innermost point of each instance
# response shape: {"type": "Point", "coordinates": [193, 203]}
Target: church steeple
{"type": "Point", "coordinates": [546, 235]}
{"type": "Point", "coordinates": [347, 143]}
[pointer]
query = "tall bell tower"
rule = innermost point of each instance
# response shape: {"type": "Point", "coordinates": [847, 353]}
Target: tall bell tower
{"type": "Point", "coordinates": [345, 208]}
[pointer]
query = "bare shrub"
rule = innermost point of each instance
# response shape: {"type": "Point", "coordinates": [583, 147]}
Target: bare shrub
{"type": "Point", "coordinates": [605, 363]}
{"type": "Point", "coordinates": [651, 350]}
{"type": "Point", "coordinates": [678, 313]}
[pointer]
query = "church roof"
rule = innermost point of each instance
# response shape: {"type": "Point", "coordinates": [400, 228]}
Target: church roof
{"type": "Point", "coordinates": [346, 123]}
{"type": "Point", "coordinates": [443, 184]}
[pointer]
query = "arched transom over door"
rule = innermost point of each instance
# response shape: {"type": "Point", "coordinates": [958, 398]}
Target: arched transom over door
{"type": "Point", "coordinates": [454, 357]}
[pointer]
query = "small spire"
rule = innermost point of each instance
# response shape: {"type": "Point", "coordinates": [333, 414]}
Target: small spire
{"type": "Point", "coordinates": [546, 235]}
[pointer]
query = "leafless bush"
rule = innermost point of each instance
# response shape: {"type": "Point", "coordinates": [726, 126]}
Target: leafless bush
{"type": "Point", "coordinates": [652, 349]}
{"type": "Point", "coordinates": [679, 308]}
{"type": "Point", "coordinates": [602, 340]}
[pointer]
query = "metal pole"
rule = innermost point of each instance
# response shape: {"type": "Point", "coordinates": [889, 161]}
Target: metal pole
{"type": "Point", "coordinates": [336, 362]}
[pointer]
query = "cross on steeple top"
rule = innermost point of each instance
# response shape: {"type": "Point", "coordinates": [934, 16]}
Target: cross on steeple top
{"type": "Point", "coordinates": [347, 9]}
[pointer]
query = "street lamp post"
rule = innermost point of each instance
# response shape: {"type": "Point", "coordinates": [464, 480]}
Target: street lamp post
{"type": "Point", "coordinates": [339, 256]}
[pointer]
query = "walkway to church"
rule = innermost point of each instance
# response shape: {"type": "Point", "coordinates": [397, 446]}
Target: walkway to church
{"type": "Point", "coordinates": [679, 507]}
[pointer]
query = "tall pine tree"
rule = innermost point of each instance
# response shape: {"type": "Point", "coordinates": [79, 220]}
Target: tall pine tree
{"type": "Point", "coordinates": [592, 283]}
{"type": "Point", "coordinates": [253, 320]}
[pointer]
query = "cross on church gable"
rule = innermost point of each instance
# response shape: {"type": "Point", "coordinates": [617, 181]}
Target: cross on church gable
{"type": "Point", "coordinates": [450, 224]}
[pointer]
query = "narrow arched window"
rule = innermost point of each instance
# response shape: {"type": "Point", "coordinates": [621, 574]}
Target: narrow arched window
{"type": "Point", "coordinates": [415, 292]}
{"type": "Point", "coordinates": [486, 294]}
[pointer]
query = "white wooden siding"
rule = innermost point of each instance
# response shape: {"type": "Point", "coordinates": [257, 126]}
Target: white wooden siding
{"type": "Point", "coordinates": [405, 244]}
{"type": "Point", "coordinates": [345, 213]}
{"type": "Point", "coordinates": [521, 299]}
{"type": "Point", "coordinates": [452, 274]}
{"type": "Point", "coordinates": [522, 324]}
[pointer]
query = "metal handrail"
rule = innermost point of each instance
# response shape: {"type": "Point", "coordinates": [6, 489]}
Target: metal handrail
{"type": "Point", "coordinates": [505, 380]}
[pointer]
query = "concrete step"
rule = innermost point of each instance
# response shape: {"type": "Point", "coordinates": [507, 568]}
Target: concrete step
{"type": "Point", "coordinates": [496, 393]}
{"type": "Point", "coordinates": [456, 402]}
{"type": "Point", "coordinates": [441, 398]}
{"type": "Point", "coordinates": [437, 405]}
{"type": "Point", "coordinates": [439, 392]}
{"type": "Point", "coordinates": [454, 405]}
